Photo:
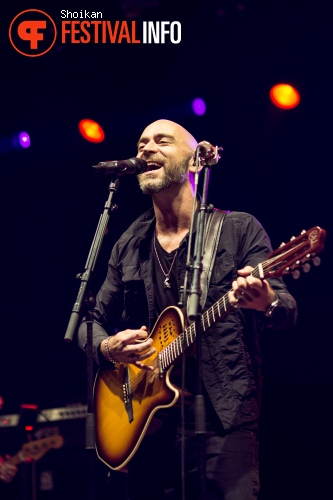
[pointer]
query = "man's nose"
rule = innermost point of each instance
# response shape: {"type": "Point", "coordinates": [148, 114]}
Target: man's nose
{"type": "Point", "coordinates": [149, 147]}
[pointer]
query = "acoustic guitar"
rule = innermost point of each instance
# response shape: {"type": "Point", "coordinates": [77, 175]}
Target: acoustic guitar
{"type": "Point", "coordinates": [126, 399]}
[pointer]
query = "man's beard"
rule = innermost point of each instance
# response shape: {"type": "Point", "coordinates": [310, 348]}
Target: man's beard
{"type": "Point", "coordinates": [173, 175]}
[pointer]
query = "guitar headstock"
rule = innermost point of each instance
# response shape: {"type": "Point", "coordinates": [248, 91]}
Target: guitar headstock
{"type": "Point", "coordinates": [34, 450]}
{"type": "Point", "coordinates": [296, 254]}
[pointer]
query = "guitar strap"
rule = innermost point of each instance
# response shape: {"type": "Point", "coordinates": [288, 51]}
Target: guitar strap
{"type": "Point", "coordinates": [212, 237]}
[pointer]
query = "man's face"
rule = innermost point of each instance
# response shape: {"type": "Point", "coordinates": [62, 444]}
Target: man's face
{"type": "Point", "coordinates": [168, 150]}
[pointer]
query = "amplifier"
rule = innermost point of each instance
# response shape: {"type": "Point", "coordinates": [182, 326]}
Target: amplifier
{"type": "Point", "coordinates": [48, 415]}
{"type": "Point", "coordinates": [9, 420]}
{"type": "Point", "coordinates": [64, 413]}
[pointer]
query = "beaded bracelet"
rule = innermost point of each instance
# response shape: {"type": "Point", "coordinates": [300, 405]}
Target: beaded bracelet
{"type": "Point", "coordinates": [110, 358]}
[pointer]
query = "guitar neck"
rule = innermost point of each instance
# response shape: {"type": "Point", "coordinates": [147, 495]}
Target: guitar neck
{"type": "Point", "coordinates": [34, 450]}
{"type": "Point", "coordinates": [222, 307]}
{"type": "Point", "coordinates": [284, 260]}
{"type": "Point", "coordinates": [16, 459]}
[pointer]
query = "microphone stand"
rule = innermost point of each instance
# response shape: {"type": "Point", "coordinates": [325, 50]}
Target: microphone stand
{"type": "Point", "coordinates": [86, 300]}
{"type": "Point", "coordinates": [194, 311]}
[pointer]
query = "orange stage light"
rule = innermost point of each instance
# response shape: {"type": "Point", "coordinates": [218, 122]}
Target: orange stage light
{"type": "Point", "coordinates": [91, 130]}
{"type": "Point", "coordinates": [284, 96]}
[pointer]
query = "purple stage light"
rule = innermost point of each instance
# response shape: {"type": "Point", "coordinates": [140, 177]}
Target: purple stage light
{"type": "Point", "coordinates": [24, 140]}
{"type": "Point", "coordinates": [199, 106]}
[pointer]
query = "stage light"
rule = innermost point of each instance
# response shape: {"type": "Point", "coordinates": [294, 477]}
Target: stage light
{"type": "Point", "coordinates": [17, 140]}
{"type": "Point", "coordinates": [91, 130]}
{"type": "Point", "coordinates": [284, 96]}
{"type": "Point", "coordinates": [24, 140]}
{"type": "Point", "coordinates": [199, 106]}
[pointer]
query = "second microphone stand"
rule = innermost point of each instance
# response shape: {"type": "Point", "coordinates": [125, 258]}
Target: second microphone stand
{"type": "Point", "coordinates": [207, 156]}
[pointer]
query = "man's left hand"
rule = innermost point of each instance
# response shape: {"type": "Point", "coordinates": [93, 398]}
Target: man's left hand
{"type": "Point", "coordinates": [249, 292]}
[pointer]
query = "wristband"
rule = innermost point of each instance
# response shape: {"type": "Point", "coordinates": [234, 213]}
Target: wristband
{"type": "Point", "coordinates": [110, 358]}
{"type": "Point", "coordinates": [270, 309]}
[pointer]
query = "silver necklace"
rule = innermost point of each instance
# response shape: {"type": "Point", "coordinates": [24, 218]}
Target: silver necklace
{"type": "Point", "coordinates": [167, 283]}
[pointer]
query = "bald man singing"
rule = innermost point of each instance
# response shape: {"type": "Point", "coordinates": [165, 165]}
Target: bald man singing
{"type": "Point", "coordinates": [145, 274]}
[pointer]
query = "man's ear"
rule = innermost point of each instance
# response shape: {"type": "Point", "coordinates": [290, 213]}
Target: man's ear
{"type": "Point", "coordinates": [192, 167]}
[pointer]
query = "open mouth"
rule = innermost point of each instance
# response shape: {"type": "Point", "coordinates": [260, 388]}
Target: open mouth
{"type": "Point", "coordinates": [152, 166]}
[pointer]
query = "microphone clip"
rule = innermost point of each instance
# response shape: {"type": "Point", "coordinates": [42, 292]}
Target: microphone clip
{"type": "Point", "coordinates": [207, 154]}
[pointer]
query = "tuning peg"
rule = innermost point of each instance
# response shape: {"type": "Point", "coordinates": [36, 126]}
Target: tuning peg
{"type": "Point", "coordinates": [305, 263]}
{"type": "Point", "coordinates": [282, 245]}
{"type": "Point", "coordinates": [292, 238]}
{"type": "Point", "coordinates": [306, 267]}
{"type": "Point", "coordinates": [296, 274]}
{"type": "Point", "coordinates": [316, 261]}
{"type": "Point", "coordinates": [302, 232]}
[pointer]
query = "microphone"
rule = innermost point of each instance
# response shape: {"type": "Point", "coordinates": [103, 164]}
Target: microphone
{"type": "Point", "coordinates": [121, 167]}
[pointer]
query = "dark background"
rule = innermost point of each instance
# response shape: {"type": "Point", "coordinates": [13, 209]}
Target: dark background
{"type": "Point", "coordinates": [276, 165]}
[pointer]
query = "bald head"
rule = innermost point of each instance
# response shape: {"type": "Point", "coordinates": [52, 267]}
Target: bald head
{"type": "Point", "coordinates": [171, 129]}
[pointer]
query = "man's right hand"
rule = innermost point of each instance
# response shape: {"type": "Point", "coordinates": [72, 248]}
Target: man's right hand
{"type": "Point", "coordinates": [7, 471]}
{"type": "Point", "coordinates": [129, 347]}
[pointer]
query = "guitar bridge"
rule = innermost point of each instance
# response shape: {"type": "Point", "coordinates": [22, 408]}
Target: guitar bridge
{"type": "Point", "coordinates": [127, 395]}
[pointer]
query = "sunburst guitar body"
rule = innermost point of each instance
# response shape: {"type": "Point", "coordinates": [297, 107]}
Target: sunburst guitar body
{"type": "Point", "coordinates": [126, 399]}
